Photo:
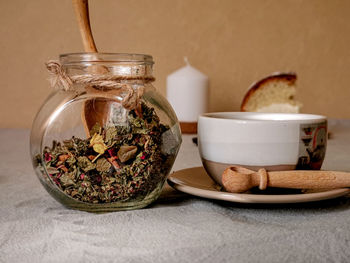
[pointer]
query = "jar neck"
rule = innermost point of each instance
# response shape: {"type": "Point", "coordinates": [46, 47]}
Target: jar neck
{"type": "Point", "coordinates": [126, 66]}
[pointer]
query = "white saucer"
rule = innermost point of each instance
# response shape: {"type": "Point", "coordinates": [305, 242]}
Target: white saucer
{"type": "Point", "coordinates": [195, 181]}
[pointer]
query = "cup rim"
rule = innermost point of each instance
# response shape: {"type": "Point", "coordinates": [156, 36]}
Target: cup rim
{"type": "Point", "coordinates": [260, 117]}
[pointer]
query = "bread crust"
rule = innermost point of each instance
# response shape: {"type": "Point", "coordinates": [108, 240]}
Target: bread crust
{"type": "Point", "coordinates": [290, 77]}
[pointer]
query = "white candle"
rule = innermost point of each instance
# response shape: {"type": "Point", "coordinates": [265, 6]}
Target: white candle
{"type": "Point", "coordinates": [187, 92]}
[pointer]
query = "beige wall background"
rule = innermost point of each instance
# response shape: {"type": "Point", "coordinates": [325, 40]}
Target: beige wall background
{"type": "Point", "coordinates": [234, 42]}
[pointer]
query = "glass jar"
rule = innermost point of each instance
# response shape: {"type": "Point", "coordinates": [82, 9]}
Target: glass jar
{"type": "Point", "coordinates": [105, 139]}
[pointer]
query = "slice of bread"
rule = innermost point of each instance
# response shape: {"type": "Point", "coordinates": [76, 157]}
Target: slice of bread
{"type": "Point", "coordinates": [275, 93]}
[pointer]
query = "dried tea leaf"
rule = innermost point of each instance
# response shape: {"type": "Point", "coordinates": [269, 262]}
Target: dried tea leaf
{"type": "Point", "coordinates": [95, 129]}
{"type": "Point", "coordinates": [66, 180]}
{"type": "Point", "coordinates": [141, 131]}
{"type": "Point", "coordinates": [80, 146]}
{"type": "Point", "coordinates": [52, 170]}
{"type": "Point", "coordinates": [126, 152]}
{"type": "Point", "coordinates": [102, 165]}
{"type": "Point", "coordinates": [111, 132]}
{"type": "Point", "coordinates": [85, 164]}
{"type": "Point", "coordinates": [71, 160]}
{"type": "Point", "coordinates": [69, 144]}
{"type": "Point", "coordinates": [136, 122]}
{"type": "Point", "coordinates": [75, 145]}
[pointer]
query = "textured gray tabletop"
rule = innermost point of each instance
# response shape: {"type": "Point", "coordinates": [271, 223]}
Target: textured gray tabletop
{"type": "Point", "coordinates": [177, 228]}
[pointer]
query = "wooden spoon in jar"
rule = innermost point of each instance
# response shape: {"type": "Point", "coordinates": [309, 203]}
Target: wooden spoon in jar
{"type": "Point", "coordinates": [94, 110]}
{"type": "Point", "coordinates": [238, 179]}
{"type": "Point", "coordinates": [81, 8]}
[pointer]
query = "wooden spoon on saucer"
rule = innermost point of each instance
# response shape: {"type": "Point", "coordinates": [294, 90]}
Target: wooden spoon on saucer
{"type": "Point", "coordinates": [238, 179]}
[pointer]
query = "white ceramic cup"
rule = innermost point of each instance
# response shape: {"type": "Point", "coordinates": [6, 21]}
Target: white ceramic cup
{"type": "Point", "coordinates": [274, 141]}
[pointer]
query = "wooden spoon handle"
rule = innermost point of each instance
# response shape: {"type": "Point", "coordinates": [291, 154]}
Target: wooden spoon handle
{"type": "Point", "coordinates": [308, 179]}
{"type": "Point", "coordinates": [82, 14]}
{"type": "Point", "coordinates": [238, 179]}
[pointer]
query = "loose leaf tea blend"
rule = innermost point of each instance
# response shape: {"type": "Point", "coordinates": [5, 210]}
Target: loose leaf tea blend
{"type": "Point", "coordinates": [116, 163]}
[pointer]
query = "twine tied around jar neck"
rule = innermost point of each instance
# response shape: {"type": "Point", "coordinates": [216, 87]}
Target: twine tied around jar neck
{"type": "Point", "coordinates": [130, 101]}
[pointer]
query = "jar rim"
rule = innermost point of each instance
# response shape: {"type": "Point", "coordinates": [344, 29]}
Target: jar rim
{"type": "Point", "coordinates": [82, 57]}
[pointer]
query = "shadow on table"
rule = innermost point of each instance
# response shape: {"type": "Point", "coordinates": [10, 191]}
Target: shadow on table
{"type": "Point", "coordinates": [340, 203]}
{"type": "Point", "coordinates": [337, 204]}
{"type": "Point", "coordinates": [171, 197]}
